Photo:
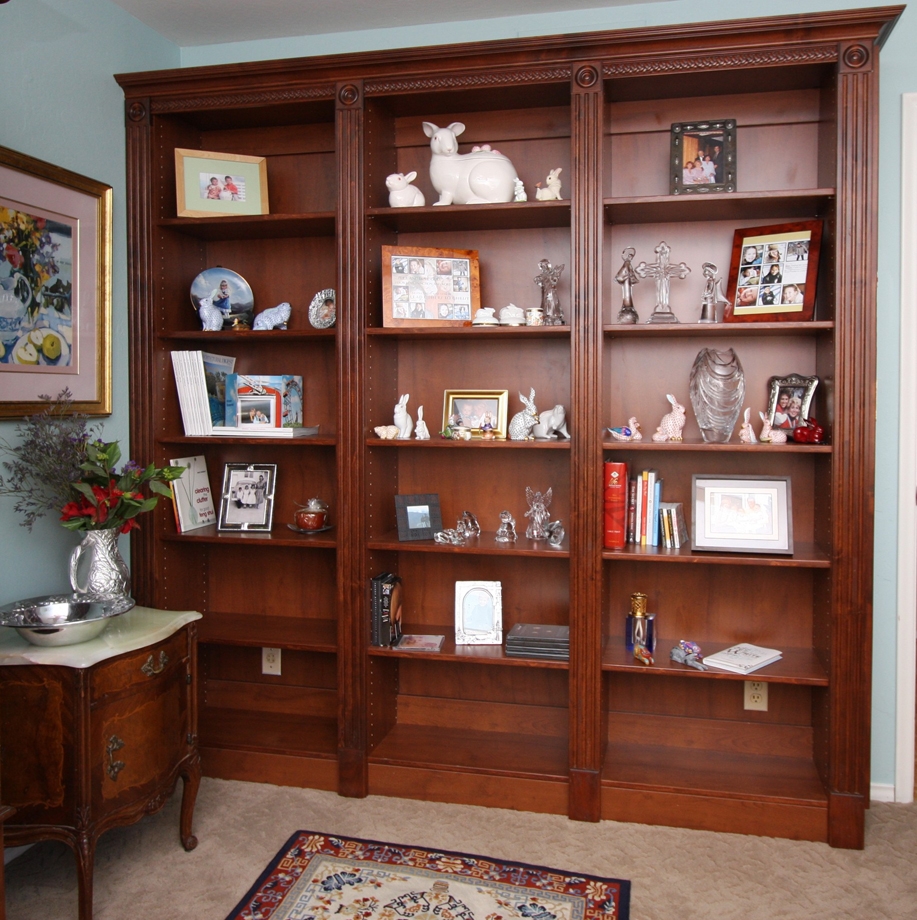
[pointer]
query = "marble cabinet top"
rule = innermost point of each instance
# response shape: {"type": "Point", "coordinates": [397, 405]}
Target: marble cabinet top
{"type": "Point", "coordinates": [128, 632]}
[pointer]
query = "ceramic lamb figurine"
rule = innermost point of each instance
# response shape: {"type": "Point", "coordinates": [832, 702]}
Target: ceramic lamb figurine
{"type": "Point", "coordinates": [552, 190]}
{"type": "Point", "coordinates": [483, 176]}
{"type": "Point", "coordinates": [747, 433]}
{"type": "Point", "coordinates": [421, 432]}
{"type": "Point", "coordinates": [404, 421]}
{"type": "Point", "coordinates": [211, 317]}
{"type": "Point", "coordinates": [522, 423]}
{"type": "Point", "coordinates": [672, 423]}
{"type": "Point", "coordinates": [552, 423]}
{"type": "Point", "coordinates": [768, 434]}
{"type": "Point", "coordinates": [275, 318]}
{"type": "Point", "coordinates": [401, 194]}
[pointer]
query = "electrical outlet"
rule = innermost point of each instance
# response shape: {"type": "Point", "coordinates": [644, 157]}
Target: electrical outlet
{"type": "Point", "coordinates": [270, 661]}
{"type": "Point", "coordinates": [755, 695]}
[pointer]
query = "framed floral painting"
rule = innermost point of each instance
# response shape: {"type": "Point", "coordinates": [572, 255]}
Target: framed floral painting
{"type": "Point", "coordinates": [55, 287]}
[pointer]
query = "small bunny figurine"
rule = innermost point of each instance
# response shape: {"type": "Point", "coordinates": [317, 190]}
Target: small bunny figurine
{"type": "Point", "coordinates": [770, 435]}
{"type": "Point", "coordinates": [672, 423]}
{"type": "Point", "coordinates": [421, 432]}
{"type": "Point", "coordinates": [552, 192]}
{"type": "Point", "coordinates": [747, 433]}
{"type": "Point", "coordinates": [404, 421]}
{"type": "Point", "coordinates": [211, 317]}
{"type": "Point", "coordinates": [401, 194]}
{"type": "Point", "coordinates": [522, 423]}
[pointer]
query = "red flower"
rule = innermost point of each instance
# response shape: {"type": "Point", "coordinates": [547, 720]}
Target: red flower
{"type": "Point", "coordinates": [130, 525]}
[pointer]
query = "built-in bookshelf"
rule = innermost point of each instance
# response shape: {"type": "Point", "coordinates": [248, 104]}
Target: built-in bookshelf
{"type": "Point", "coordinates": [598, 736]}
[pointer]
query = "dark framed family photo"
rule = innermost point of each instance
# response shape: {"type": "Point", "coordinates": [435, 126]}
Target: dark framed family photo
{"type": "Point", "coordinates": [703, 157]}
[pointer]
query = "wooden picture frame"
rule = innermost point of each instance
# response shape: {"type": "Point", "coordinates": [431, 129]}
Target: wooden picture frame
{"type": "Point", "coordinates": [55, 287]}
{"type": "Point", "coordinates": [419, 516]}
{"type": "Point", "coordinates": [742, 514]}
{"type": "Point", "coordinates": [794, 394]}
{"type": "Point", "coordinates": [473, 408]}
{"type": "Point", "coordinates": [247, 496]}
{"type": "Point", "coordinates": [773, 273]}
{"type": "Point", "coordinates": [478, 613]}
{"type": "Point", "coordinates": [202, 189]}
{"type": "Point", "coordinates": [426, 288]}
{"type": "Point", "coordinates": [711, 144]}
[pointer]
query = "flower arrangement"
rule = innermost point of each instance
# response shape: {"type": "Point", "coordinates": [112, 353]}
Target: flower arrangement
{"type": "Point", "coordinates": [59, 465]}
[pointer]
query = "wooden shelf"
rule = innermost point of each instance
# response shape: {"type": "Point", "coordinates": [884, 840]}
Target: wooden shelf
{"type": "Point", "coordinates": [254, 226]}
{"type": "Point", "coordinates": [437, 441]}
{"type": "Point", "coordinates": [251, 337]}
{"type": "Point", "coordinates": [798, 665]}
{"type": "Point", "coordinates": [532, 333]}
{"type": "Point", "coordinates": [468, 654]}
{"type": "Point", "coordinates": [452, 218]}
{"type": "Point", "coordinates": [470, 750]}
{"type": "Point", "coordinates": [255, 630]}
{"type": "Point", "coordinates": [708, 330]}
{"type": "Point", "coordinates": [316, 441]}
{"type": "Point", "coordinates": [268, 732]}
{"type": "Point", "coordinates": [698, 444]}
{"type": "Point", "coordinates": [485, 544]}
{"type": "Point", "coordinates": [805, 555]}
{"type": "Point", "coordinates": [281, 535]}
{"type": "Point", "coordinates": [796, 204]}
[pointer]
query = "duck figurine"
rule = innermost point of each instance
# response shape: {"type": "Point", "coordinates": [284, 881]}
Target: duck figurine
{"type": "Point", "coordinates": [628, 432]}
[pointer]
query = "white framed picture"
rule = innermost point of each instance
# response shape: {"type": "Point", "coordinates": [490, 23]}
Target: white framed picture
{"type": "Point", "coordinates": [478, 613]}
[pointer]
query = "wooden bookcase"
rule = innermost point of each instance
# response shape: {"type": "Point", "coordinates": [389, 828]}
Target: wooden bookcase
{"type": "Point", "coordinates": [598, 737]}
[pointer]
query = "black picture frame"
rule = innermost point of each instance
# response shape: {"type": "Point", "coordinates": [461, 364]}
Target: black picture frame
{"type": "Point", "coordinates": [717, 141]}
{"type": "Point", "coordinates": [419, 517]}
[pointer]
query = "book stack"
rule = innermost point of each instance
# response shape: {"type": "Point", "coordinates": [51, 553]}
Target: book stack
{"type": "Point", "coordinates": [742, 658]}
{"type": "Point", "coordinates": [200, 378]}
{"type": "Point", "coordinates": [538, 640]}
{"type": "Point", "coordinates": [644, 497]}
{"type": "Point", "coordinates": [673, 529]}
{"type": "Point", "coordinates": [385, 610]}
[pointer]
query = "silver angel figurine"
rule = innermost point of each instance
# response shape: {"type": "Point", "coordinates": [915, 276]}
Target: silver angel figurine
{"type": "Point", "coordinates": [627, 278]}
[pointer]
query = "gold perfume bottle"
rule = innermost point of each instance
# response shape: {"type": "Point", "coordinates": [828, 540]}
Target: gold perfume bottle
{"type": "Point", "coordinates": [640, 627]}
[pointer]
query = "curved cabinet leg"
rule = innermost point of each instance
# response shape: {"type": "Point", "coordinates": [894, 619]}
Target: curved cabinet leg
{"type": "Point", "coordinates": [191, 781]}
{"type": "Point", "coordinates": [84, 850]}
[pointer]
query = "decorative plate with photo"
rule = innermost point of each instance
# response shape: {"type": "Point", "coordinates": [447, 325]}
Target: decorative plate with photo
{"type": "Point", "coordinates": [229, 293]}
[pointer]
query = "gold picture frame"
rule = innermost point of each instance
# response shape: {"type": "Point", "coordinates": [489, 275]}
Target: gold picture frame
{"type": "Point", "coordinates": [426, 287]}
{"type": "Point", "coordinates": [209, 184]}
{"type": "Point", "coordinates": [55, 287]}
{"type": "Point", "coordinates": [474, 410]}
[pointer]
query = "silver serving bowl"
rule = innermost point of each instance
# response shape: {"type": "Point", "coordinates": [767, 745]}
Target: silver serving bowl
{"type": "Point", "coordinates": [62, 619]}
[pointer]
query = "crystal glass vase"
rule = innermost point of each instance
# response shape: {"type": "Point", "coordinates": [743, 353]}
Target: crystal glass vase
{"type": "Point", "coordinates": [717, 388]}
{"type": "Point", "coordinates": [105, 571]}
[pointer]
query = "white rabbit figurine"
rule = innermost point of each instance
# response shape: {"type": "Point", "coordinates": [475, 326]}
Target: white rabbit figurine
{"type": "Point", "coordinates": [747, 433]}
{"type": "Point", "coordinates": [552, 423]}
{"type": "Point", "coordinates": [421, 432]}
{"type": "Point", "coordinates": [401, 194]}
{"type": "Point", "coordinates": [274, 318]}
{"type": "Point", "coordinates": [483, 176]}
{"type": "Point", "coordinates": [672, 423]}
{"type": "Point", "coordinates": [404, 421]}
{"type": "Point", "coordinates": [552, 190]}
{"type": "Point", "coordinates": [211, 317]}
{"type": "Point", "coordinates": [770, 435]}
{"type": "Point", "coordinates": [522, 423]}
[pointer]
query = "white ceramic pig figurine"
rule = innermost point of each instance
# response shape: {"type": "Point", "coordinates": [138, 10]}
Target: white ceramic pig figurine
{"type": "Point", "coordinates": [401, 194]}
{"type": "Point", "coordinates": [483, 176]}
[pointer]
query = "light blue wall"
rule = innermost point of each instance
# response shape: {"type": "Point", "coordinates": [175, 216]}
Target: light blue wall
{"type": "Point", "coordinates": [59, 103]}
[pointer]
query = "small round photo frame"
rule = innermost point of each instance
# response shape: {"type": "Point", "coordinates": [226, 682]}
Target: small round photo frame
{"type": "Point", "coordinates": [323, 309]}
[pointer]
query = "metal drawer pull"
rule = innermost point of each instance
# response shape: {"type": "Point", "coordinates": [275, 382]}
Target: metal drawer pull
{"type": "Point", "coordinates": [150, 669]}
{"type": "Point", "coordinates": [114, 766]}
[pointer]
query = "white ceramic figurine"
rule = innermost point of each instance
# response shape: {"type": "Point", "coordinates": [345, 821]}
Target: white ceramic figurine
{"type": "Point", "coordinates": [551, 192]}
{"type": "Point", "coordinates": [672, 422]}
{"type": "Point", "coordinates": [401, 194]}
{"type": "Point", "coordinates": [404, 421]}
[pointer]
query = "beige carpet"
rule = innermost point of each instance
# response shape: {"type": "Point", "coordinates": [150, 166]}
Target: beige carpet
{"type": "Point", "coordinates": [142, 873]}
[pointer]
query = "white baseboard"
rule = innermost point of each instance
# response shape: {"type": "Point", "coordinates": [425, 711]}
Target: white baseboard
{"type": "Point", "coordinates": [882, 792]}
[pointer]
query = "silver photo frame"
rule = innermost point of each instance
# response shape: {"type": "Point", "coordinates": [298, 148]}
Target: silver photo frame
{"type": "Point", "coordinates": [478, 613]}
{"type": "Point", "coordinates": [247, 498]}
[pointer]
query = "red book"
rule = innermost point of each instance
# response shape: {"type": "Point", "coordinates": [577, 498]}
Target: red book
{"type": "Point", "coordinates": [615, 505]}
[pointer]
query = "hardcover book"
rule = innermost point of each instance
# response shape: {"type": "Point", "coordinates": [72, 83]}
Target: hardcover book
{"type": "Point", "coordinates": [191, 495]}
{"type": "Point", "coordinates": [386, 609]}
{"type": "Point", "coordinates": [616, 488]}
{"type": "Point", "coordinates": [742, 658]}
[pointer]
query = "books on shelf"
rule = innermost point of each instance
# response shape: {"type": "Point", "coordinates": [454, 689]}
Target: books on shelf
{"type": "Point", "coordinates": [385, 609]}
{"type": "Point", "coordinates": [191, 495]}
{"type": "Point", "coordinates": [615, 504]}
{"type": "Point", "coordinates": [674, 527]}
{"type": "Point", "coordinates": [742, 658]}
{"type": "Point", "coordinates": [200, 378]}
{"type": "Point", "coordinates": [258, 402]}
{"type": "Point", "coordinates": [415, 643]}
{"type": "Point", "coordinates": [635, 512]}
{"type": "Point", "coordinates": [539, 640]}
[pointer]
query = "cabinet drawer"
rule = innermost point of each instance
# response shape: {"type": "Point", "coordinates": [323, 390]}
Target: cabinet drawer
{"type": "Point", "coordinates": [141, 667]}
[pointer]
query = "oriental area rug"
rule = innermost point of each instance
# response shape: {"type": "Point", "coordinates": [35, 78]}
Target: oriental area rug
{"type": "Point", "coordinates": [318, 876]}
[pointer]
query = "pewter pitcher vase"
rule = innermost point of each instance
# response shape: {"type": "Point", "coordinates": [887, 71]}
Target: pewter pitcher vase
{"type": "Point", "coordinates": [105, 571]}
